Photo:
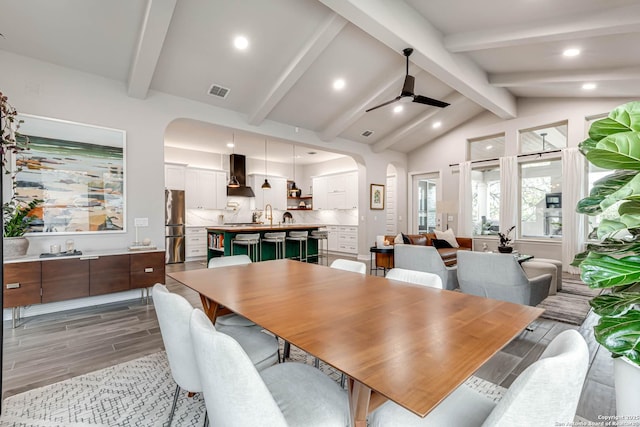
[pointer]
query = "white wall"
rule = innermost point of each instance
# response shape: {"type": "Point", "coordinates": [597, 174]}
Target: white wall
{"type": "Point", "coordinates": [47, 90]}
{"type": "Point", "coordinates": [452, 147]}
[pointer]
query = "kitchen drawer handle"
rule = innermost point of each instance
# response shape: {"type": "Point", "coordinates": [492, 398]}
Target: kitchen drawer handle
{"type": "Point", "coordinates": [13, 285]}
{"type": "Point", "coordinates": [148, 270]}
{"type": "Point", "coordinates": [88, 258]}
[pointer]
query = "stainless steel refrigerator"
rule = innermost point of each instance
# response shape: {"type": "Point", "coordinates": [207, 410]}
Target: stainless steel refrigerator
{"type": "Point", "coordinates": [174, 226]}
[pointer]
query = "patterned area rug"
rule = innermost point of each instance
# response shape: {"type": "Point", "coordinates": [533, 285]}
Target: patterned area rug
{"type": "Point", "coordinates": [571, 304]}
{"type": "Point", "coordinates": [135, 393]}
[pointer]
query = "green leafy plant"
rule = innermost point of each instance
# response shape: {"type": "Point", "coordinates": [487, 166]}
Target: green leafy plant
{"type": "Point", "coordinates": [614, 261]}
{"type": "Point", "coordinates": [505, 238]}
{"type": "Point", "coordinates": [15, 213]}
{"type": "Point", "coordinates": [17, 216]}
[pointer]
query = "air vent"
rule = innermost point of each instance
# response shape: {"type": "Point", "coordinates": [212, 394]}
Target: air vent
{"type": "Point", "coordinates": [219, 91]}
{"type": "Point", "coordinates": [367, 133]}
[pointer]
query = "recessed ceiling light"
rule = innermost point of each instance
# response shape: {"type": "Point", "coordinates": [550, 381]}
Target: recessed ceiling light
{"type": "Point", "coordinates": [398, 108]}
{"type": "Point", "coordinates": [230, 144]}
{"type": "Point", "coordinates": [338, 84]}
{"type": "Point", "coordinates": [571, 52]}
{"type": "Point", "coordinates": [488, 147]}
{"type": "Point", "coordinates": [589, 86]}
{"type": "Point", "coordinates": [436, 125]}
{"type": "Point", "coordinates": [241, 42]}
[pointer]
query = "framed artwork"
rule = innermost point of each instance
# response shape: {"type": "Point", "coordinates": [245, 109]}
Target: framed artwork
{"type": "Point", "coordinates": [78, 171]}
{"type": "Point", "coordinates": [377, 196]}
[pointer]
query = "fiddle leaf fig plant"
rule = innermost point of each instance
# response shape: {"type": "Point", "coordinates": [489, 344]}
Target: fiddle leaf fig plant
{"type": "Point", "coordinates": [613, 262]}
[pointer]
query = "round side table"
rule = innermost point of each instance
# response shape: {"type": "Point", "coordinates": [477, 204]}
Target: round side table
{"type": "Point", "coordinates": [388, 265]}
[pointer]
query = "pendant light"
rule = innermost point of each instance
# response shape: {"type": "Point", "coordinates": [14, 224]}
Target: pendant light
{"type": "Point", "coordinates": [233, 181]}
{"type": "Point", "coordinates": [293, 185]}
{"type": "Point", "coordinates": [266, 185]}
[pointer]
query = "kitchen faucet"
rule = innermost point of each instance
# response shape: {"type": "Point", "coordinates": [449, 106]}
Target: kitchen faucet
{"type": "Point", "coordinates": [270, 215]}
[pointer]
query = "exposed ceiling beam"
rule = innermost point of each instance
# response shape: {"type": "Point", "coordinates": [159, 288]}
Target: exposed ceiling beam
{"type": "Point", "coordinates": [303, 60]}
{"type": "Point", "coordinates": [610, 21]}
{"type": "Point", "coordinates": [347, 118]}
{"type": "Point", "coordinates": [152, 34]}
{"type": "Point", "coordinates": [564, 76]}
{"type": "Point", "coordinates": [398, 26]}
{"type": "Point", "coordinates": [413, 125]}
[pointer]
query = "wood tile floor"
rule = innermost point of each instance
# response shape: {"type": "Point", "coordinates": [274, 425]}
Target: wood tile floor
{"type": "Point", "coordinates": [53, 347]}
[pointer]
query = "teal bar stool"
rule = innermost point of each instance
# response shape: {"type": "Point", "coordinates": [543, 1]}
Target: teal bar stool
{"type": "Point", "coordinates": [278, 239]}
{"type": "Point", "coordinates": [252, 243]}
{"type": "Point", "coordinates": [301, 238]}
{"type": "Point", "coordinates": [322, 237]}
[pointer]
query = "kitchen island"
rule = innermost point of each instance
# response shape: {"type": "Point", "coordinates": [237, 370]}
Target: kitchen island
{"type": "Point", "coordinates": [219, 240]}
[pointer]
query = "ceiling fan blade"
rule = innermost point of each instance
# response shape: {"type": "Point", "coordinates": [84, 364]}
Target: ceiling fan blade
{"type": "Point", "coordinates": [429, 101]}
{"type": "Point", "coordinates": [407, 87]}
{"type": "Point", "coordinates": [397, 98]}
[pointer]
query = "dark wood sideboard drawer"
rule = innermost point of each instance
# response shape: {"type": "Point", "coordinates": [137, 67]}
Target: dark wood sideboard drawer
{"type": "Point", "coordinates": [147, 269]}
{"type": "Point", "coordinates": [21, 284]}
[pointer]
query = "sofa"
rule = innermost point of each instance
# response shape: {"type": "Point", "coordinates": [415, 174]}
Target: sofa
{"type": "Point", "coordinates": [448, 255]}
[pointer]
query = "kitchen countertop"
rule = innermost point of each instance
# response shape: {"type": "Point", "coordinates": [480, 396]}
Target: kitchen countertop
{"type": "Point", "coordinates": [233, 228]}
{"type": "Point", "coordinates": [85, 254]}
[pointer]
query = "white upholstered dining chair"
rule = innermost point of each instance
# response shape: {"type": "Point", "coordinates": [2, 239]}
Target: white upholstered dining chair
{"type": "Point", "coordinates": [349, 265]}
{"type": "Point", "coordinates": [232, 319]}
{"type": "Point", "coordinates": [423, 278]}
{"type": "Point", "coordinates": [174, 314]}
{"type": "Point", "coordinates": [545, 394]}
{"type": "Point", "coordinates": [236, 395]}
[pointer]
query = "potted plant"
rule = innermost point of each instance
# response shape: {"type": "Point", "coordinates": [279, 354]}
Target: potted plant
{"type": "Point", "coordinates": [505, 239]}
{"type": "Point", "coordinates": [16, 214]}
{"type": "Point", "coordinates": [613, 263]}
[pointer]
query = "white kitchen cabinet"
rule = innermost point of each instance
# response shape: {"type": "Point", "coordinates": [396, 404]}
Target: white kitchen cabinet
{"type": "Point", "coordinates": [195, 242]}
{"type": "Point", "coordinates": [276, 196]}
{"type": "Point", "coordinates": [338, 191]}
{"type": "Point", "coordinates": [332, 241]}
{"type": "Point", "coordinates": [320, 191]}
{"type": "Point", "coordinates": [205, 189]}
{"type": "Point", "coordinates": [174, 176]}
{"type": "Point", "coordinates": [348, 239]}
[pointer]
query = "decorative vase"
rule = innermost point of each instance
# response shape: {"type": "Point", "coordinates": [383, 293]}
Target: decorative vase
{"type": "Point", "coordinates": [626, 379]}
{"type": "Point", "coordinates": [505, 249]}
{"type": "Point", "coordinates": [15, 247]}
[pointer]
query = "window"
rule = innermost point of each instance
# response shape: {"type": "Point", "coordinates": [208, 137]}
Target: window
{"type": "Point", "coordinates": [541, 199]}
{"type": "Point", "coordinates": [485, 187]}
{"type": "Point", "coordinates": [489, 147]}
{"type": "Point", "coordinates": [425, 197]}
{"type": "Point", "coordinates": [547, 138]}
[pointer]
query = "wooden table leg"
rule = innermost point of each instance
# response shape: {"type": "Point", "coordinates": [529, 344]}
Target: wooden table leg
{"type": "Point", "coordinates": [210, 308]}
{"type": "Point", "coordinates": [359, 396]}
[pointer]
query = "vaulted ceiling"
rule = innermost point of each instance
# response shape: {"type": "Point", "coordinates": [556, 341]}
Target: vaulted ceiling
{"type": "Point", "coordinates": [478, 56]}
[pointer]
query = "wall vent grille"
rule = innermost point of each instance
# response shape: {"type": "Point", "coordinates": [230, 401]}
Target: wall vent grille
{"type": "Point", "coordinates": [219, 91]}
{"type": "Point", "coordinates": [367, 133]}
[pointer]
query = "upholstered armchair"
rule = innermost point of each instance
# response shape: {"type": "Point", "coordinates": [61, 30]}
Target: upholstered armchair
{"type": "Point", "coordinates": [425, 258]}
{"type": "Point", "coordinates": [500, 276]}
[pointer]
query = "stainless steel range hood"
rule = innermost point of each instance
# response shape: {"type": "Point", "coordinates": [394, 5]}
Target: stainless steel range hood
{"type": "Point", "coordinates": [238, 167]}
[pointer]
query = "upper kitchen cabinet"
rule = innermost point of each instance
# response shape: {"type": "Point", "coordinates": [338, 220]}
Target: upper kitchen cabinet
{"type": "Point", "coordinates": [276, 196]}
{"type": "Point", "coordinates": [338, 191]}
{"type": "Point", "coordinates": [205, 189]}
{"type": "Point", "coordinates": [174, 176]}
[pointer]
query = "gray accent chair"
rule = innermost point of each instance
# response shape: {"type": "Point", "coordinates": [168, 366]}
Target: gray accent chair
{"type": "Point", "coordinates": [545, 394]}
{"type": "Point", "coordinates": [237, 395]}
{"type": "Point", "coordinates": [422, 278]}
{"type": "Point", "coordinates": [232, 319]}
{"type": "Point", "coordinates": [500, 276]}
{"type": "Point", "coordinates": [174, 314]}
{"type": "Point", "coordinates": [425, 258]}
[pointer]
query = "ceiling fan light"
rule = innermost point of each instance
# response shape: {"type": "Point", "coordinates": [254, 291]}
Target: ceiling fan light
{"type": "Point", "coordinates": [233, 182]}
{"type": "Point", "coordinates": [266, 185]}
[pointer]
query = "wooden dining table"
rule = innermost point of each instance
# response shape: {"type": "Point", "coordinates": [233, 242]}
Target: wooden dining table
{"type": "Point", "coordinates": [410, 344]}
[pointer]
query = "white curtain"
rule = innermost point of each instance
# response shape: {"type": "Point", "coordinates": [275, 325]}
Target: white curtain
{"type": "Point", "coordinates": [573, 189]}
{"type": "Point", "coordinates": [465, 226]}
{"type": "Point", "coordinates": [509, 193]}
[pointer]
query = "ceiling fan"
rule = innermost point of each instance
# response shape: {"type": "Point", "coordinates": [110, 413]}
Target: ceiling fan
{"type": "Point", "coordinates": [407, 94]}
